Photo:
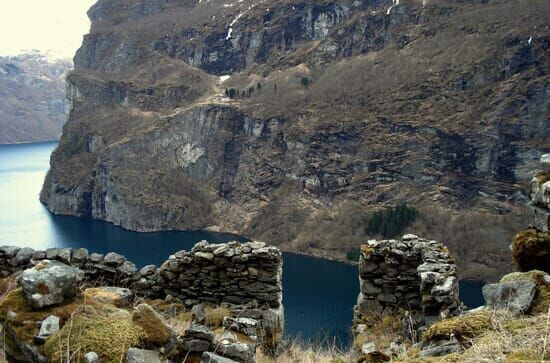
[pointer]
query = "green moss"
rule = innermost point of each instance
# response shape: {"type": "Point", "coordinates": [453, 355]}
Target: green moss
{"type": "Point", "coordinates": [462, 327]}
{"type": "Point", "coordinates": [105, 330]}
{"type": "Point", "coordinates": [531, 250]}
{"type": "Point", "coordinates": [523, 356]}
{"type": "Point", "coordinates": [155, 332]}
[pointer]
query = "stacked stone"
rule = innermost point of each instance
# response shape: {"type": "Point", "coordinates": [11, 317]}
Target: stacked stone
{"type": "Point", "coordinates": [539, 196]}
{"type": "Point", "coordinates": [411, 274]}
{"type": "Point", "coordinates": [233, 273]}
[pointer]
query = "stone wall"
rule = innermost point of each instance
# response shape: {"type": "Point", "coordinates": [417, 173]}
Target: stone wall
{"type": "Point", "coordinates": [411, 275]}
{"type": "Point", "coordinates": [247, 274]}
{"type": "Point", "coordinates": [539, 196]}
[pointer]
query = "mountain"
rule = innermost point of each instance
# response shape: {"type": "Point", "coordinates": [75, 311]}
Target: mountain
{"type": "Point", "coordinates": [32, 98]}
{"type": "Point", "coordinates": [292, 121]}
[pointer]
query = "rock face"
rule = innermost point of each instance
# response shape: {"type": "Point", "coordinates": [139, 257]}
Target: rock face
{"type": "Point", "coordinates": [414, 275]}
{"type": "Point", "coordinates": [50, 283]}
{"type": "Point", "coordinates": [32, 98]}
{"type": "Point", "coordinates": [322, 123]}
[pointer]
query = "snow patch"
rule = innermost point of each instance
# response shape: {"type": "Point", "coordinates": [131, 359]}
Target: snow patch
{"type": "Point", "coordinates": [395, 3]}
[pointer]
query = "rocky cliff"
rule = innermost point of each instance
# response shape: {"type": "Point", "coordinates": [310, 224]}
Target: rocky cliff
{"type": "Point", "coordinates": [32, 98]}
{"type": "Point", "coordinates": [291, 120]}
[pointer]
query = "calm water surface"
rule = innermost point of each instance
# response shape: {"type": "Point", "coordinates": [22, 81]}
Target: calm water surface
{"type": "Point", "coordinates": [318, 294]}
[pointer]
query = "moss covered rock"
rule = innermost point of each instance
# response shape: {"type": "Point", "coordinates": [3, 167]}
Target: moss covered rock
{"type": "Point", "coordinates": [541, 302]}
{"type": "Point", "coordinates": [462, 327]}
{"type": "Point", "coordinates": [531, 250]}
{"type": "Point", "coordinates": [155, 331]}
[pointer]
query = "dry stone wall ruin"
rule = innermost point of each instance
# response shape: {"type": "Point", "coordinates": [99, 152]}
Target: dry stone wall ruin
{"type": "Point", "coordinates": [539, 196]}
{"type": "Point", "coordinates": [245, 277]}
{"type": "Point", "coordinates": [413, 276]}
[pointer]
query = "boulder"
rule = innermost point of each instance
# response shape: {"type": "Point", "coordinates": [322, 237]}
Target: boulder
{"type": "Point", "coordinates": [196, 345]}
{"type": "Point", "coordinates": [135, 355]}
{"type": "Point", "coordinates": [514, 296]}
{"type": "Point", "coordinates": [117, 296]}
{"type": "Point", "coordinates": [208, 357]}
{"type": "Point", "coordinates": [50, 283]}
{"type": "Point", "coordinates": [9, 251]}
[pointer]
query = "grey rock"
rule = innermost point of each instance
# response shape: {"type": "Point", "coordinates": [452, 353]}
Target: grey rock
{"type": "Point", "coordinates": [198, 314]}
{"type": "Point", "coordinates": [148, 270]}
{"type": "Point", "coordinates": [208, 357]}
{"type": "Point", "coordinates": [545, 163]}
{"type": "Point", "coordinates": [114, 259]}
{"type": "Point", "coordinates": [368, 348]}
{"type": "Point", "coordinates": [514, 296]}
{"type": "Point", "coordinates": [135, 355]}
{"type": "Point", "coordinates": [91, 357]}
{"type": "Point", "coordinates": [50, 283]}
{"type": "Point", "coordinates": [39, 255]}
{"type": "Point", "coordinates": [540, 217]}
{"type": "Point", "coordinates": [370, 288]}
{"type": "Point", "coordinates": [96, 257]}
{"type": "Point", "coordinates": [9, 251]}
{"type": "Point", "coordinates": [22, 257]}
{"type": "Point", "coordinates": [60, 254]}
{"type": "Point", "coordinates": [49, 326]}
{"type": "Point", "coordinates": [239, 351]}
{"type": "Point", "coordinates": [246, 326]}
{"type": "Point", "coordinates": [127, 268]}
{"type": "Point", "coordinates": [195, 331]}
{"type": "Point", "coordinates": [441, 347]}
{"type": "Point", "coordinates": [196, 345]}
{"type": "Point", "coordinates": [80, 255]}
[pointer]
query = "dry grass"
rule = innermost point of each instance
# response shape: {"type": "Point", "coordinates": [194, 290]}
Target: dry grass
{"type": "Point", "coordinates": [297, 352]}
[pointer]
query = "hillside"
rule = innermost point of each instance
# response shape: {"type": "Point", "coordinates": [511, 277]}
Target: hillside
{"type": "Point", "coordinates": [32, 98]}
{"type": "Point", "coordinates": [293, 121]}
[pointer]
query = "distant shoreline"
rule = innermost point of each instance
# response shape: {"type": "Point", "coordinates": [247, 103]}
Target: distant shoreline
{"type": "Point", "coordinates": [28, 142]}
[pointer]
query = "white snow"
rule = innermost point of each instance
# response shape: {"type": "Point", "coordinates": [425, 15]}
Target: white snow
{"type": "Point", "coordinates": [395, 3]}
{"type": "Point", "coordinates": [224, 78]}
{"type": "Point", "coordinates": [530, 40]}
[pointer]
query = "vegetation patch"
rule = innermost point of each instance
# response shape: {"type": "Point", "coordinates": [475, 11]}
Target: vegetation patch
{"type": "Point", "coordinates": [105, 330]}
{"type": "Point", "coordinates": [392, 221]}
{"type": "Point", "coordinates": [462, 327]}
{"type": "Point", "coordinates": [531, 250]}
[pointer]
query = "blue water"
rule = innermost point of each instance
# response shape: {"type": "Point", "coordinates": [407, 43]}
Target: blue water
{"type": "Point", "coordinates": [318, 294]}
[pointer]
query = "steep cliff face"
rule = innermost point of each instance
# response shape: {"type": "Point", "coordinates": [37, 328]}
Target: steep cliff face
{"type": "Point", "coordinates": [341, 107]}
{"type": "Point", "coordinates": [32, 98]}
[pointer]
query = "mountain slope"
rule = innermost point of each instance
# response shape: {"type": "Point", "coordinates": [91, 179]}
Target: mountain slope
{"type": "Point", "coordinates": [337, 108]}
{"type": "Point", "coordinates": [32, 98]}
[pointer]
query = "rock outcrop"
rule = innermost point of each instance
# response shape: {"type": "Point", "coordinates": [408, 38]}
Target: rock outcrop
{"type": "Point", "coordinates": [329, 114]}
